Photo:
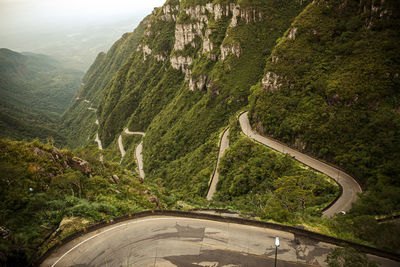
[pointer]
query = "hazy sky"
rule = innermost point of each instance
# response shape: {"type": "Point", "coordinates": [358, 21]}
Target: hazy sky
{"type": "Point", "coordinates": [15, 14]}
{"type": "Point", "coordinates": [73, 31]}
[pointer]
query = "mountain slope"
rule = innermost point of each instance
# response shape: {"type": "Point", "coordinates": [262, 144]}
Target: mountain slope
{"type": "Point", "coordinates": [78, 119]}
{"type": "Point", "coordinates": [320, 71]}
{"type": "Point", "coordinates": [37, 82]}
{"type": "Point", "coordinates": [47, 194]}
{"type": "Point", "coordinates": [195, 60]}
{"type": "Point", "coordinates": [331, 88]}
{"type": "Point", "coordinates": [321, 76]}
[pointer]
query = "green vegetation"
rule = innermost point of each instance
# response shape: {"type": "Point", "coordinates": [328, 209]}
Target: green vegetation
{"type": "Point", "coordinates": [321, 76]}
{"type": "Point", "coordinates": [348, 257]}
{"type": "Point", "coordinates": [45, 196]}
{"type": "Point", "coordinates": [256, 179]}
{"type": "Point", "coordinates": [188, 127]}
{"type": "Point", "coordinates": [337, 99]}
{"type": "Point", "coordinates": [78, 120]}
{"type": "Point", "coordinates": [34, 91]}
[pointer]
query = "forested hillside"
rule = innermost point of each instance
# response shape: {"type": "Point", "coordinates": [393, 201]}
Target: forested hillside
{"type": "Point", "coordinates": [47, 194]}
{"type": "Point", "coordinates": [34, 91]}
{"type": "Point", "coordinates": [331, 88]}
{"type": "Point", "coordinates": [321, 76]}
{"type": "Point", "coordinates": [78, 121]}
{"type": "Point", "coordinates": [190, 72]}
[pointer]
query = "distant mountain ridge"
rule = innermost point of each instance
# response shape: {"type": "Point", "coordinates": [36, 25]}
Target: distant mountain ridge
{"type": "Point", "coordinates": [35, 90]}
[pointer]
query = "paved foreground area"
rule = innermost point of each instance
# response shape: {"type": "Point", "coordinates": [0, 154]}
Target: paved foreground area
{"type": "Point", "coordinates": [174, 241]}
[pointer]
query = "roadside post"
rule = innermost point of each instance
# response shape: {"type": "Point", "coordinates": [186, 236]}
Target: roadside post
{"type": "Point", "coordinates": [276, 249]}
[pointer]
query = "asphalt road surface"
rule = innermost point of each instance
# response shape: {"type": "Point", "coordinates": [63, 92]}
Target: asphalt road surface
{"type": "Point", "coordinates": [121, 147]}
{"type": "Point", "coordinates": [214, 180]}
{"type": "Point", "coordinates": [98, 141]}
{"type": "Point", "coordinates": [349, 185]}
{"type": "Point", "coordinates": [174, 241]}
{"type": "Point", "coordinates": [138, 151]}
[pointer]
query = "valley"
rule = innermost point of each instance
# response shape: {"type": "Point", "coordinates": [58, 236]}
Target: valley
{"type": "Point", "coordinates": [35, 90]}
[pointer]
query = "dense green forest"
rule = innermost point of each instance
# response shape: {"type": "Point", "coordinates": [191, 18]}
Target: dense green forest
{"type": "Point", "coordinates": [332, 89]}
{"type": "Point", "coordinates": [35, 90]}
{"type": "Point", "coordinates": [257, 179]}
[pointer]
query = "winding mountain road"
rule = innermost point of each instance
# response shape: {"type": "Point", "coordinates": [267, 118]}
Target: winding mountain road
{"type": "Point", "coordinates": [98, 141]}
{"type": "Point", "coordinates": [224, 144]}
{"type": "Point", "coordinates": [348, 183]}
{"type": "Point", "coordinates": [138, 151]}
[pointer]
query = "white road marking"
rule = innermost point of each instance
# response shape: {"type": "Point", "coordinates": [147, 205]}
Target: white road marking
{"type": "Point", "coordinates": [121, 225]}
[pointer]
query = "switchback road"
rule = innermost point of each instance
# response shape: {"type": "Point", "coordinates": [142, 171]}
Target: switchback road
{"type": "Point", "coordinates": [224, 144]}
{"type": "Point", "coordinates": [348, 183]}
{"type": "Point", "coordinates": [138, 151]}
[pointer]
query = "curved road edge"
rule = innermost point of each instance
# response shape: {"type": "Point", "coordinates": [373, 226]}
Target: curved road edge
{"type": "Point", "coordinates": [98, 141]}
{"type": "Point", "coordinates": [223, 145]}
{"type": "Point", "coordinates": [138, 151]}
{"type": "Point", "coordinates": [60, 248]}
{"type": "Point", "coordinates": [349, 184]}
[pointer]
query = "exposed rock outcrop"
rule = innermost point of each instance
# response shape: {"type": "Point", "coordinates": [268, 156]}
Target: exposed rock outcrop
{"type": "Point", "coordinates": [54, 155]}
{"type": "Point", "coordinates": [275, 59]}
{"type": "Point", "coordinates": [115, 178]}
{"type": "Point", "coordinates": [271, 82]}
{"type": "Point", "coordinates": [227, 50]}
{"type": "Point", "coordinates": [186, 33]}
{"type": "Point", "coordinates": [153, 199]}
{"type": "Point", "coordinates": [38, 151]}
{"type": "Point", "coordinates": [198, 84]}
{"type": "Point", "coordinates": [195, 33]}
{"type": "Point", "coordinates": [292, 33]}
{"type": "Point", "coordinates": [199, 12]}
{"type": "Point", "coordinates": [145, 50]}
{"type": "Point", "coordinates": [169, 13]}
{"type": "Point", "coordinates": [79, 164]}
{"type": "Point", "coordinates": [4, 232]}
{"type": "Point", "coordinates": [181, 63]}
{"type": "Point", "coordinates": [247, 15]}
{"type": "Point", "coordinates": [159, 57]}
{"type": "Point", "coordinates": [208, 46]}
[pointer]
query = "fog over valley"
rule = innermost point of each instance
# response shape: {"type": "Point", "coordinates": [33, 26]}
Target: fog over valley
{"type": "Point", "coordinates": [73, 32]}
